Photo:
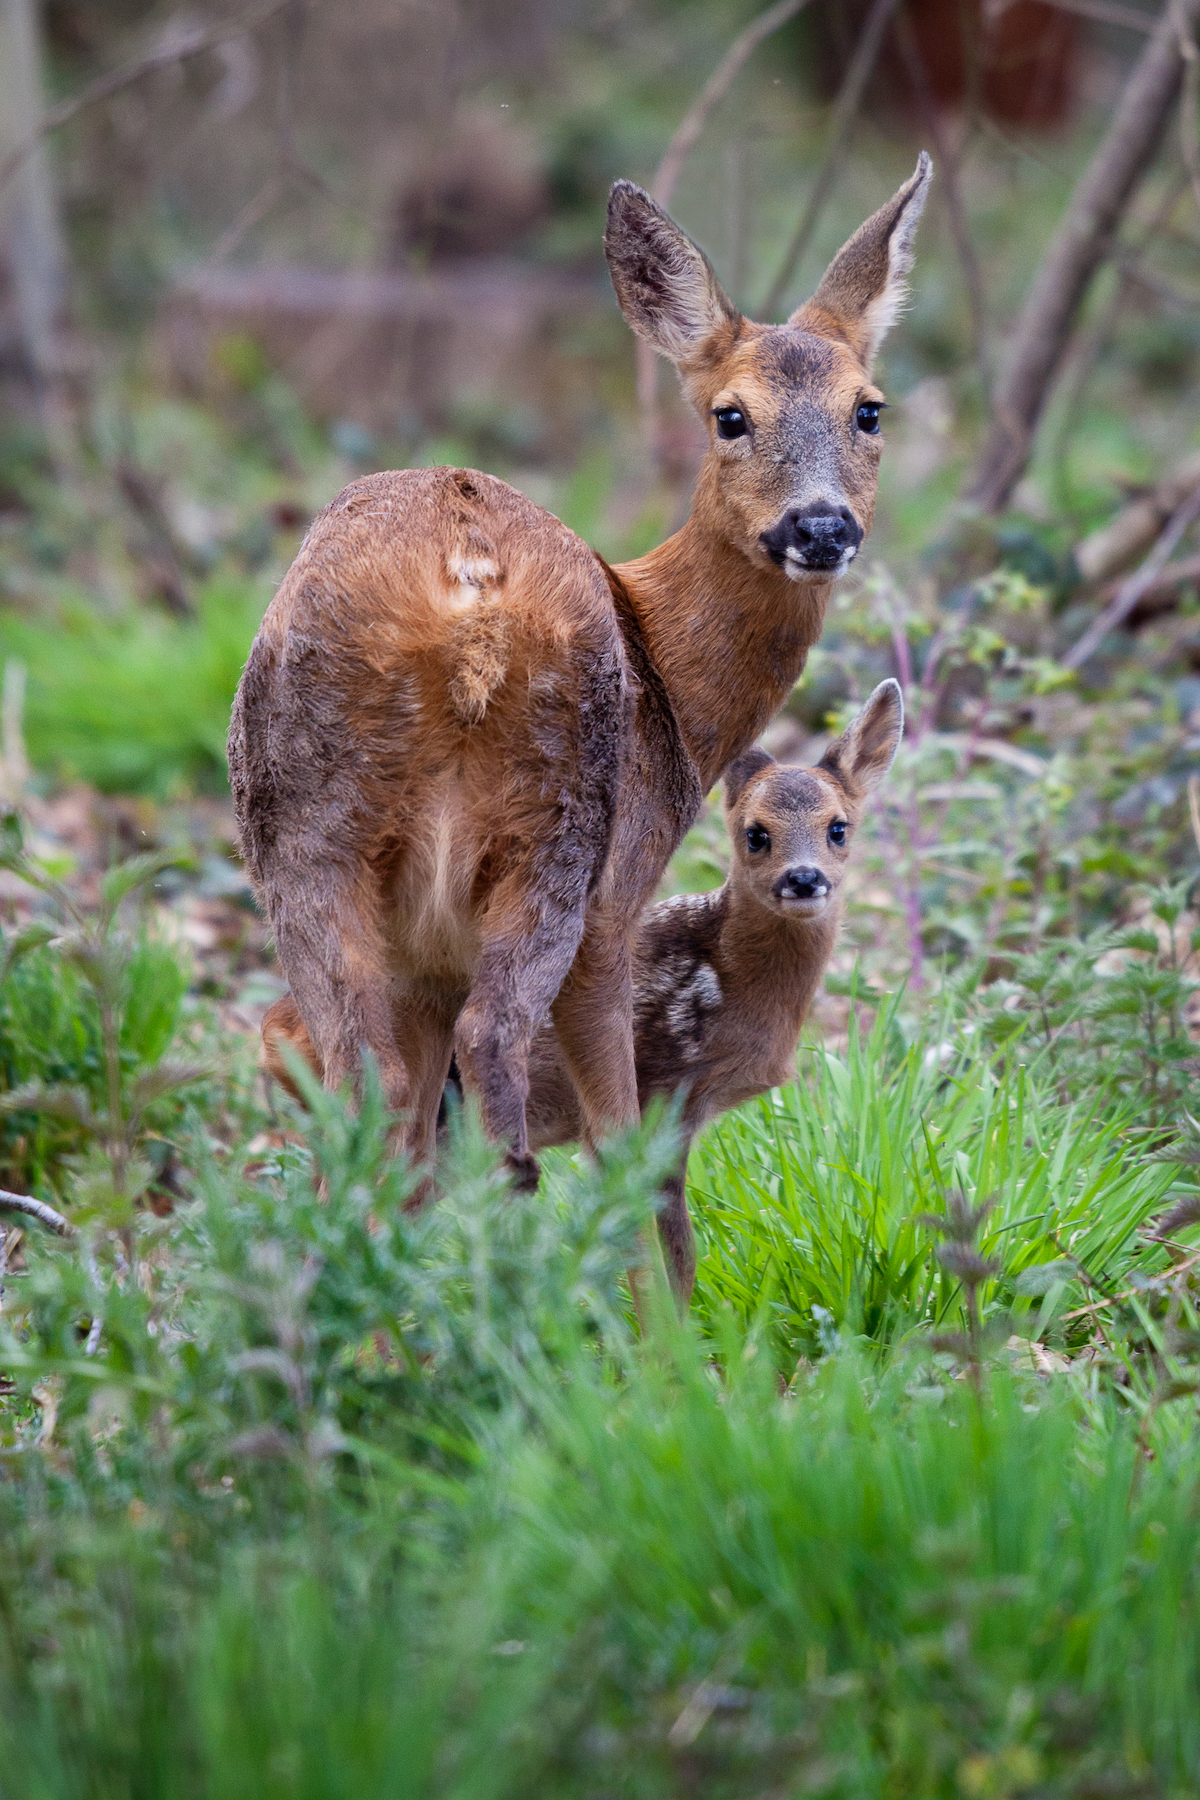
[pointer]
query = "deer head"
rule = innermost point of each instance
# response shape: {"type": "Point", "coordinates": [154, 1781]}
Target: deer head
{"type": "Point", "coordinates": [791, 410]}
{"type": "Point", "coordinates": [791, 828]}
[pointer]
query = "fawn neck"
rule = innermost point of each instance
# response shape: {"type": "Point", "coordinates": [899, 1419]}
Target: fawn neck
{"type": "Point", "coordinates": [728, 638]}
{"type": "Point", "coordinates": [778, 962]}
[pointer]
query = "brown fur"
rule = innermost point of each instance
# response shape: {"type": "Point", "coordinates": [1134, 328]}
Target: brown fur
{"type": "Point", "coordinates": [463, 748]}
{"type": "Point", "coordinates": [721, 982]}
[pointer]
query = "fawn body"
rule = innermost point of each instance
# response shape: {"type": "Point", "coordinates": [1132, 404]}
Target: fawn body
{"type": "Point", "coordinates": [722, 982]}
{"type": "Point", "coordinates": [464, 748]}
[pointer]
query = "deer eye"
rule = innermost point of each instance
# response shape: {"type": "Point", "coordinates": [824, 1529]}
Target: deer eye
{"type": "Point", "coordinates": [867, 416]}
{"type": "Point", "coordinates": [758, 838]}
{"type": "Point", "coordinates": [731, 422]}
{"type": "Point", "coordinates": [837, 832]}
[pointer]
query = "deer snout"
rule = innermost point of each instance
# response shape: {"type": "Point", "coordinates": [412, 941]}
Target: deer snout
{"type": "Point", "coordinates": [808, 884]}
{"type": "Point", "coordinates": [819, 536]}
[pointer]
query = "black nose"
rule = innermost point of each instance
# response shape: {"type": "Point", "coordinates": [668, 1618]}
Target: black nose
{"type": "Point", "coordinates": [801, 884]}
{"type": "Point", "coordinates": [813, 537]}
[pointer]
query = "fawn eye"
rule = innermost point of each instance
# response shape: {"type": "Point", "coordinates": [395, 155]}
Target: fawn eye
{"type": "Point", "coordinates": [837, 832]}
{"type": "Point", "coordinates": [758, 838]}
{"type": "Point", "coordinates": [867, 416]}
{"type": "Point", "coordinates": [731, 422]}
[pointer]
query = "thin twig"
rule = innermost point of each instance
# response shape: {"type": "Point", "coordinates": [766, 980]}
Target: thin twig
{"type": "Point", "coordinates": [948, 169]}
{"type": "Point", "coordinates": [1129, 1293]}
{"type": "Point", "coordinates": [1137, 584]}
{"type": "Point", "coordinates": [866, 51]}
{"type": "Point", "coordinates": [687, 132]}
{"type": "Point", "coordinates": [36, 1209]}
{"type": "Point", "coordinates": [177, 42]}
{"type": "Point", "coordinates": [1189, 108]}
{"type": "Point", "coordinates": [683, 141]}
{"type": "Point", "coordinates": [1106, 12]}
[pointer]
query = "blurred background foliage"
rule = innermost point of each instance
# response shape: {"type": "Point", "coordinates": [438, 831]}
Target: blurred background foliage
{"type": "Point", "coordinates": [304, 1493]}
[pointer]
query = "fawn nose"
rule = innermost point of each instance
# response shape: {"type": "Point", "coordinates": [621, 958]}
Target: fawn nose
{"type": "Point", "coordinates": [813, 537]}
{"type": "Point", "coordinates": [802, 884]}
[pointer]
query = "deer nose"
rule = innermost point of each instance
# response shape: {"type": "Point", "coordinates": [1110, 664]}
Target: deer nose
{"type": "Point", "coordinates": [813, 537]}
{"type": "Point", "coordinates": [802, 884]}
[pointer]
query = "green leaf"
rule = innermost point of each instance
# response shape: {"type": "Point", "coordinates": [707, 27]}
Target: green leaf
{"type": "Point", "coordinates": [135, 872]}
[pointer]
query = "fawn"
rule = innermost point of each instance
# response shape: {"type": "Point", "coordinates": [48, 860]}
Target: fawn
{"type": "Point", "coordinates": [722, 982]}
{"type": "Point", "coordinates": [464, 748]}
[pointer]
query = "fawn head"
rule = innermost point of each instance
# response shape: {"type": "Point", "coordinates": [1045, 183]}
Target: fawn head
{"type": "Point", "coordinates": [791, 828]}
{"type": "Point", "coordinates": [792, 413]}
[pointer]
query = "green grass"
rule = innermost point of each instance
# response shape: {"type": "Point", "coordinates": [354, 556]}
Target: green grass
{"type": "Point", "coordinates": [340, 1500]}
{"type": "Point", "coordinates": [137, 703]}
{"type": "Point", "coordinates": [811, 1200]}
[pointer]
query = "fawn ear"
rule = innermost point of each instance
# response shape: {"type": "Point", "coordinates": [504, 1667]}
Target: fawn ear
{"type": "Point", "coordinates": [665, 284]}
{"type": "Point", "coordinates": [864, 753]}
{"type": "Point", "coordinates": [743, 769]}
{"type": "Point", "coordinates": [863, 289]}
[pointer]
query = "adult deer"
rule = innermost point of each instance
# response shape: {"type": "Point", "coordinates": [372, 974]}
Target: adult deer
{"type": "Point", "coordinates": [464, 748]}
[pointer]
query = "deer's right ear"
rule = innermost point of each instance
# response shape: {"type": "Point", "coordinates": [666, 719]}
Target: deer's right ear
{"type": "Point", "coordinates": [742, 769]}
{"type": "Point", "coordinates": [864, 288]}
{"type": "Point", "coordinates": [665, 284]}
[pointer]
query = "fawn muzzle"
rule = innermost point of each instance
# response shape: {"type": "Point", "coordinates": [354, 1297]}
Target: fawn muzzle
{"type": "Point", "coordinates": [805, 887]}
{"type": "Point", "coordinates": [818, 537]}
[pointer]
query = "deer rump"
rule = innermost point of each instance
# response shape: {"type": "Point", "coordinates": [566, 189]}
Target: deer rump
{"type": "Point", "coordinates": [458, 776]}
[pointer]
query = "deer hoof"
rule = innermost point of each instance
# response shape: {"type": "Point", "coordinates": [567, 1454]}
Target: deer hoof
{"type": "Point", "coordinates": [525, 1171]}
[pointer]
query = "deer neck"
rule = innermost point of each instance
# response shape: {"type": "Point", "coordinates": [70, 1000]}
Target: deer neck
{"type": "Point", "coordinates": [728, 638]}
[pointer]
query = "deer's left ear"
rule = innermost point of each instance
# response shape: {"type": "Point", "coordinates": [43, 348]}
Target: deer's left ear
{"type": "Point", "coordinates": [863, 288]}
{"type": "Point", "coordinates": [864, 753]}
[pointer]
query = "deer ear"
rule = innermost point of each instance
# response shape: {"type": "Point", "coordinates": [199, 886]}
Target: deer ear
{"type": "Point", "coordinates": [864, 753]}
{"type": "Point", "coordinates": [665, 285]}
{"type": "Point", "coordinates": [863, 289]}
{"type": "Point", "coordinates": [742, 770]}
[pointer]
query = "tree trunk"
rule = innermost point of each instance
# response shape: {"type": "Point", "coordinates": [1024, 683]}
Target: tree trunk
{"type": "Point", "coordinates": [32, 263]}
{"type": "Point", "coordinates": [1042, 333]}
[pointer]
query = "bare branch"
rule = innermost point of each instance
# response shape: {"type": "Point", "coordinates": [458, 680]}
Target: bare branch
{"type": "Point", "coordinates": [1106, 12]}
{"type": "Point", "coordinates": [178, 41]}
{"type": "Point", "coordinates": [683, 141]}
{"type": "Point", "coordinates": [948, 168]}
{"type": "Point", "coordinates": [1041, 336]}
{"type": "Point", "coordinates": [36, 1209]}
{"type": "Point", "coordinates": [866, 52]}
{"type": "Point", "coordinates": [687, 132]}
{"type": "Point", "coordinates": [1137, 586]}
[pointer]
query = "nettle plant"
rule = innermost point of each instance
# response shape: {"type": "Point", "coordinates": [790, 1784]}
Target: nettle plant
{"type": "Point", "coordinates": [90, 1006]}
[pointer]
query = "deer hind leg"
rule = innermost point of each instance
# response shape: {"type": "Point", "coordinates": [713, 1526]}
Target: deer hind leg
{"type": "Point", "coordinates": [331, 943]}
{"type": "Point", "coordinates": [528, 942]}
{"type": "Point", "coordinates": [424, 1032]}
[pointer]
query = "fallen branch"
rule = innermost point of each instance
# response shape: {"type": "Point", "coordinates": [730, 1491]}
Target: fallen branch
{"type": "Point", "coordinates": [1138, 584]}
{"type": "Point", "coordinates": [1164, 591]}
{"type": "Point", "coordinates": [1103, 552]}
{"type": "Point", "coordinates": [36, 1209]}
{"type": "Point", "coordinates": [1041, 336]}
{"type": "Point", "coordinates": [178, 41]}
{"type": "Point", "coordinates": [866, 53]}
